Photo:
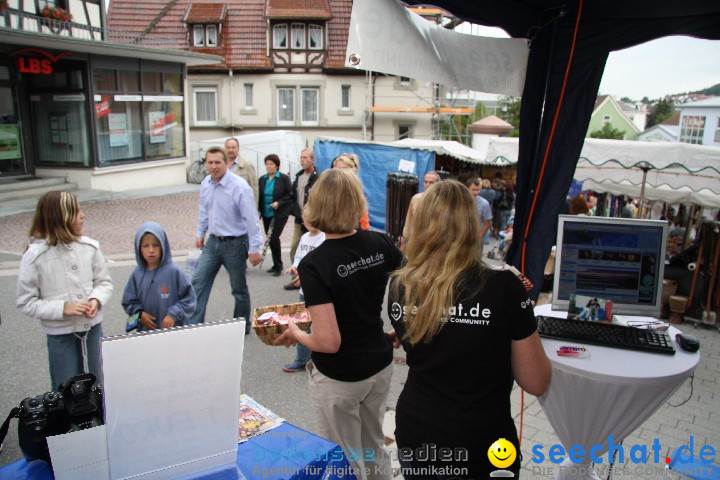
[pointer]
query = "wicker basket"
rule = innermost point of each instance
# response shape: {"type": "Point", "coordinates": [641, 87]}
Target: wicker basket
{"type": "Point", "coordinates": [268, 333]}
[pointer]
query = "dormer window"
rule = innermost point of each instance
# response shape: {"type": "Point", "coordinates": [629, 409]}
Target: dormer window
{"type": "Point", "coordinates": [204, 22]}
{"type": "Point", "coordinates": [302, 36]}
{"type": "Point", "coordinates": [205, 35]}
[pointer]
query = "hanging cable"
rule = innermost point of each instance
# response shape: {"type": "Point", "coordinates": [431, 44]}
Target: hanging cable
{"type": "Point", "coordinates": [550, 138]}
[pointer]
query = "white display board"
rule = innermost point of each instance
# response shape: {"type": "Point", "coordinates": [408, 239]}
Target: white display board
{"type": "Point", "coordinates": [171, 399]}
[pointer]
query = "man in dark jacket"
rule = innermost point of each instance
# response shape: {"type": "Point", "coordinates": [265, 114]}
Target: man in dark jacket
{"type": "Point", "coordinates": [304, 181]}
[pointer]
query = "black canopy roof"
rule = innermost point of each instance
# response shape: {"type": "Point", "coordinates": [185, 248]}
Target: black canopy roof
{"type": "Point", "coordinates": [570, 43]}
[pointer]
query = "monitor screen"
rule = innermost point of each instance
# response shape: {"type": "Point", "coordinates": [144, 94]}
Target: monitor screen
{"type": "Point", "coordinates": [618, 259]}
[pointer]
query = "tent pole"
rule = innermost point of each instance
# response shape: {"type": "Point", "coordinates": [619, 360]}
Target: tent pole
{"type": "Point", "coordinates": [642, 193]}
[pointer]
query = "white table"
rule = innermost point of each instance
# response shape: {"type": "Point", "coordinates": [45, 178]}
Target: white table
{"type": "Point", "coordinates": [610, 393]}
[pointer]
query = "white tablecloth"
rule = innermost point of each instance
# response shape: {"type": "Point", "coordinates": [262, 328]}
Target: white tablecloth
{"type": "Point", "coordinates": [610, 393]}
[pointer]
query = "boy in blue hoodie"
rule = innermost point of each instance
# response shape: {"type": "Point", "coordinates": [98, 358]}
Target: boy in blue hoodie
{"type": "Point", "coordinates": [157, 289]}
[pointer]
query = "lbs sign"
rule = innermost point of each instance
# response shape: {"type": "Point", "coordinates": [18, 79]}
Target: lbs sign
{"type": "Point", "coordinates": [32, 64]}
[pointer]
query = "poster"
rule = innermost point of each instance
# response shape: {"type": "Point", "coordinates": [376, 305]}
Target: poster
{"type": "Point", "coordinates": [9, 142]}
{"type": "Point", "coordinates": [117, 127]}
{"type": "Point", "coordinates": [158, 126]}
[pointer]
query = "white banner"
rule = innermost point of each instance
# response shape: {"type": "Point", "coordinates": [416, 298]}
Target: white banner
{"type": "Point", "coordinates": [387, 37]}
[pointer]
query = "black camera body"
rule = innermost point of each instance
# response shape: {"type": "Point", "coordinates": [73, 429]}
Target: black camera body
{"type": "Point", "coordinates": [77, 406]}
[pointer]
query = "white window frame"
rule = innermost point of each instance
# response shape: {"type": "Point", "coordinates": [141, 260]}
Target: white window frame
{"type": "Point", "coordinates": [305, 118]}
{"type": "Point", "coordinates": [692, 129]}
{"type": "Point", "coordinates": [199, 35]}
{"type": "Point", "coordinates": [211, 32]}
{"type": "Point", "coordinates": [277, 28]}
{"type": "Point", "coordinates": [294, 28]}
{"type": "Point", "coordinates": [316, 28]}
{"type": "Point", "coordinates": [204, 122]}
{"type": "Point", "coordinates": [345, 97]}
{"type": "Point", "coordinates": [249, 100]}
{"type": "Point", "coordinates": [287, 122]}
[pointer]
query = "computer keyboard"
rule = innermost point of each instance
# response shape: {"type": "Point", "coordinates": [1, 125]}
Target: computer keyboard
{"type": "Point", "coordinates": [605, 334]}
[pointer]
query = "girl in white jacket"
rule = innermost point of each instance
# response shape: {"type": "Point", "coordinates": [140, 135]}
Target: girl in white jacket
{"type": "Point", "coordinates": [64, 282]}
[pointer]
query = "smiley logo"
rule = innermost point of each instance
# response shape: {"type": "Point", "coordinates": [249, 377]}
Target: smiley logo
{"type": "Point", "coordinates": [342, 271]}
{"type": "Point", "coordinates": [395, 311]}
{"type": "Point", "coordinates": [502, 453]}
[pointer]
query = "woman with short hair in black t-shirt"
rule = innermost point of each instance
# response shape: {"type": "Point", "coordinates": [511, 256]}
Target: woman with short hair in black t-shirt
{"type": "Point", "coordinates": [344, 282]}
{"type": "Point", "coordinates": [468, 332]}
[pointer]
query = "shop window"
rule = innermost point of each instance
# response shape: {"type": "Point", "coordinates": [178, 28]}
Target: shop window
{"type": "Point", "coordinates": [104, 79]}
{"type": "Point", "coordinates": [129, 81]}
{"type": "Point", "coordinates": [152, 82]}
{"type": "Point", "coordinates": [120, 130]}
{"type": "Point", "coordinates": [164, 134]}
{"type": "Point", "coordinates": [205, 102]}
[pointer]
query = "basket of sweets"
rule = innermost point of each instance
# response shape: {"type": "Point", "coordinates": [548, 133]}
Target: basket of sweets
{"type": "Point", "coordinates": [270, 322]}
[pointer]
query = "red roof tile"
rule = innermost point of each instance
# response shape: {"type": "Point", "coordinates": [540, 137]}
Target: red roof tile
{"type": "Point", "coordinates": [205, 13]}
{"type": "Point", "coordinates": [243, 41]}
{"type": "Point", "coordinates": [298, 9]}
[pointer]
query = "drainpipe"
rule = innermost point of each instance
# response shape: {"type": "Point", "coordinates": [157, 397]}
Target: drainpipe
{"type": "Point", "coordinates": [232, 103]}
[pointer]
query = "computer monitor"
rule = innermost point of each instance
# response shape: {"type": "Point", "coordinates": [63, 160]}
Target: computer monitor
{"type": "Point", "coordinates": [618, 259]}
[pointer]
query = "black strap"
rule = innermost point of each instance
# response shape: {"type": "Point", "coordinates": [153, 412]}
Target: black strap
{"type": "Point", "coordinates": [14, 413]}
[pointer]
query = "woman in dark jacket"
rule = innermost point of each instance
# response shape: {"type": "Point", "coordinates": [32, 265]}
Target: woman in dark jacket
{"type": "Point", "coordinates": [274, 204]}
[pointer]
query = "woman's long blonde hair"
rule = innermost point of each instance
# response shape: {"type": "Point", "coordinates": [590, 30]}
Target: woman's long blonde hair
{"type": "Point", "coordinates": [443, 248]}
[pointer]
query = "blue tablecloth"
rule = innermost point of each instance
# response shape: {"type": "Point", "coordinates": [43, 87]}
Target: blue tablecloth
{"type": "Point", "coordinates": [285, 452]}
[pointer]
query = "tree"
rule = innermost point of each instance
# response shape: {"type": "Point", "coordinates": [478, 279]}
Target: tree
{"type": "Point", "coordinates": [456, 126]}
{"type": "Point", "coordinates": [659, 113]}
{"type": "Point", "coordinates": [608, 132]}
{"type": "Point", "coordinates": [511, 114]}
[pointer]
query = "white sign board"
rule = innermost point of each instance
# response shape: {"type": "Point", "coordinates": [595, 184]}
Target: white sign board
{"type": "Point", "coordinates": [172, 399]}
{"type": "Point", "coordinates": [387, 37]}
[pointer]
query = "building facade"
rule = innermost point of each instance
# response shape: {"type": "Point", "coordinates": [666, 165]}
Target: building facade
{"type": "Point", "coordinates": [72, 104]}
{"type": "Point", "coordinates": [284, 68]}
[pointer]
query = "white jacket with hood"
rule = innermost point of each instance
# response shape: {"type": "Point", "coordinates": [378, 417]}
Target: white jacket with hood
{"type": "Point", "coordinates": [51, 276]}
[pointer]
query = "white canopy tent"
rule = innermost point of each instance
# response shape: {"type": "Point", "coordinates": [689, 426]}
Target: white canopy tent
{"type": "Point", "coordinates": [669, 172]}
{"type": "Point", "coordinates": [445, 147]}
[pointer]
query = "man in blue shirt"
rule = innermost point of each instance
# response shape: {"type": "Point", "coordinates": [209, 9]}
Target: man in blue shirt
{"type": "Point", "coordinates": [227, 212]}
{"type": "Point", "coordinates": [484, 210]}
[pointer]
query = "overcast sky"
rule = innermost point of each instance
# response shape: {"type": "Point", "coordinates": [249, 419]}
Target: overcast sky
{"type": "Point", "coordinates": [664, 66]}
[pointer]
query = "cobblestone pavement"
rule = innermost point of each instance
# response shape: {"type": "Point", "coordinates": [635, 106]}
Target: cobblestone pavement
{"type": "Point", "coordinates": [114, 223]}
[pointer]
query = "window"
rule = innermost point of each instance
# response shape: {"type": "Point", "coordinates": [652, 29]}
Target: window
{"type": "Point", "coordinates": [248, 96]}
{"type": "Point", "coordinates": [205, 35]}
{"type": "Point", "coordinates": [692, 129]}
{"type": "Point", "coordinates": [286, 106]}
{"type": "Point", "coordinates": [717, 132]}
{"type": "Point", "coordinates": [345, 97]}
{"type": "Point", "coordinates": [205, 105]}
{"type": "Point", "coordinates": [405, 81]}
{"type": "Point", "coordinates": [297, 36]}
{"type": "Point", "coordinates": [404, 131]}
{"type": "Point", "coordinates": [606, 120]}
{"type": "Point", "coordinates": [280, 36]}
{"type": "Point", "coordinates": [310, 105]}
{"type": "Point", "coordinates": [315, 37]}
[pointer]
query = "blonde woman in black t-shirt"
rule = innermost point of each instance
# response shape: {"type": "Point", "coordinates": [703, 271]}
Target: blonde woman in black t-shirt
{"type": "Point", "coordinates": [468, 332]}
{"type": "Point", "coordinates": [344, 282]}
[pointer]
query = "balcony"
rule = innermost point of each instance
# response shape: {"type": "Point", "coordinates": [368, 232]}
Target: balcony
{"type": "Point", "coordinates": [33, 23]}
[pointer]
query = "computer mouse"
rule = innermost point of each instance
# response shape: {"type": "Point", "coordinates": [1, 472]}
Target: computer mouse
{"type": "Point", "coordinates": [687, 342]}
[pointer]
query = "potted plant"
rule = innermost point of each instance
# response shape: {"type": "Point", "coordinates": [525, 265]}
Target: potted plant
{"type": "Point", "coordinates": [56, 13]}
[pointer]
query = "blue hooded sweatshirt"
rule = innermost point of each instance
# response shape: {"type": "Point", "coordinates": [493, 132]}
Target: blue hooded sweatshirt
{"type": "Point", "coordinates": [165, 290]}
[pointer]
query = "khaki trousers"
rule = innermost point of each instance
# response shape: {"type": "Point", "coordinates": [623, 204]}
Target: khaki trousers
{"type": "Point", "coordinates": [351, 414]}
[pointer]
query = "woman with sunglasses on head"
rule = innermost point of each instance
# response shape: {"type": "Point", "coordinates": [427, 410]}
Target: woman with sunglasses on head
{"type": "Point", "coordinates": [352, 161]}
{"type": "Point", "coordinates": [468, 332]}
{"type": "Point", "coordinates": [274, 204]}
{"type": "Point", "coordinates": [344, 282]}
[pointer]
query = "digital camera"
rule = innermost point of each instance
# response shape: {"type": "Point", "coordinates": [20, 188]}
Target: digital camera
{"type": "Point", "coordinates": [77, 406]}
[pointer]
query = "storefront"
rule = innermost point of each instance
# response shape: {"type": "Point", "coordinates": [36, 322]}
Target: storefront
{"type": "Point", "coordinates": [105, 116]}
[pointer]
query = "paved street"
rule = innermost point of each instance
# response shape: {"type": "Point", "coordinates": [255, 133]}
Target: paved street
{"type": "Point", "coordinates": [23, 354]}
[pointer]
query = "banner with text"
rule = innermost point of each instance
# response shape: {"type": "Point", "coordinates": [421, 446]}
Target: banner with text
{"type": "Point", "coordinates": [387, 37]}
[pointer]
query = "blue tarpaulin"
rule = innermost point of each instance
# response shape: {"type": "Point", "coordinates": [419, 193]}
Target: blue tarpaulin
{"type": "Point", "coordinates": [376, 161]}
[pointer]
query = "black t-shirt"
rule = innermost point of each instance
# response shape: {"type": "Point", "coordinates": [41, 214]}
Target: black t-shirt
{"type": "Point", "coordinates": [457, 392]}
{"type": "Point", "coordinates": [352, 273]}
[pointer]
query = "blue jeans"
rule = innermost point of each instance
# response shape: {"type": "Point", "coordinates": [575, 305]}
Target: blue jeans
{"type": "Point", "coordinates": [504, 218]}
{"type": "Point", "coordinates": [302, 353]}
{"type": "Point", "coordinates": [232, 254]}
{"type": "Point", "coordinates": [65, 355]}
